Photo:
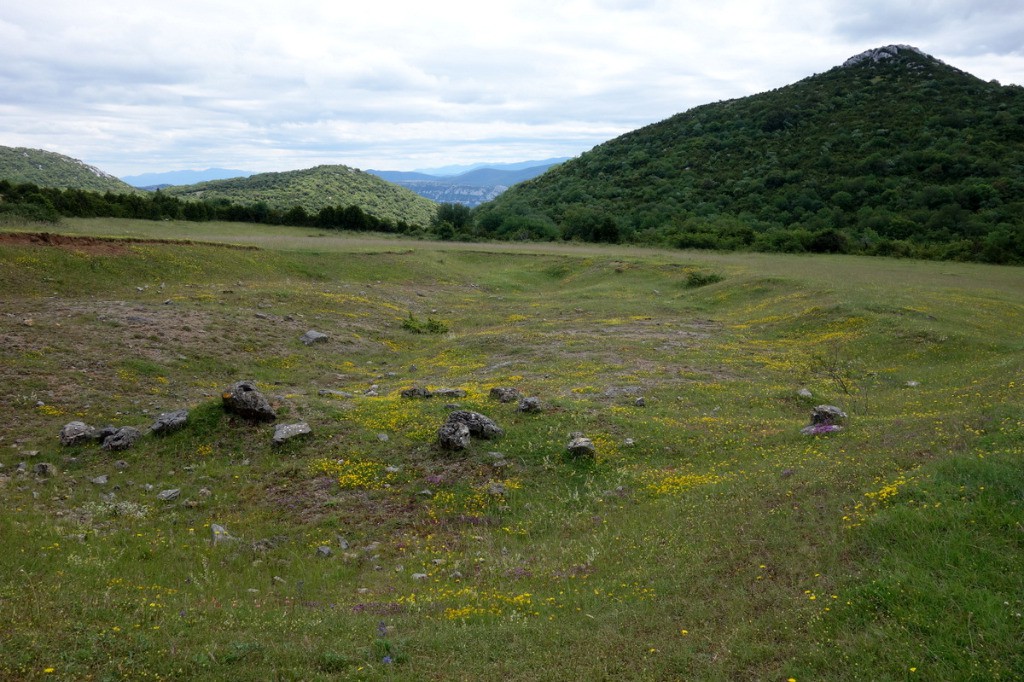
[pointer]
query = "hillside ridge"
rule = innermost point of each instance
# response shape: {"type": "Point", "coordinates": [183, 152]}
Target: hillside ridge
{"type": "Point", "coordinates": [50, 169]}
{"type": "Point", "coordinates": [893, 153]}
{"type": "Point", "coordinates": [315, 188]}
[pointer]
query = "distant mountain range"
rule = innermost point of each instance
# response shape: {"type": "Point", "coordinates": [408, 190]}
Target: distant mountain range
{"type": "Point", "coordinates": [472, 185]}
{"type": "Point", "coordinates": [182, 177]}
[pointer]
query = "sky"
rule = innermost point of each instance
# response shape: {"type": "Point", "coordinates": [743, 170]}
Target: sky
{"type": "Point", "coordinates": [135, 86]}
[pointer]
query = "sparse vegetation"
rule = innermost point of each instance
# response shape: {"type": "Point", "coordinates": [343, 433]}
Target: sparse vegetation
{"type": "Point", "coordinates": [707, 540]}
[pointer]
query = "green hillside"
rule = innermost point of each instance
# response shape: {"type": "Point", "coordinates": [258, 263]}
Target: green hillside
{"type": "Point", "coordinates": [893, 152]}
{"type": "Point", "coordinates": [48, 169]}
{"type": "Point", "coordinates": [316, 188]}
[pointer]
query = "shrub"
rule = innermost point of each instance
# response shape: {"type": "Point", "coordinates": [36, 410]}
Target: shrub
{"type": "Point", "coordinates": [428, 326]}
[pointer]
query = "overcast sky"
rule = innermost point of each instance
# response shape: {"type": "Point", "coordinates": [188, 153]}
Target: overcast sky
{"type": "Point", "coordinates": [135, 86]}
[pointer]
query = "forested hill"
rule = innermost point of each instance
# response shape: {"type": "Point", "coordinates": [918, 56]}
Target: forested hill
{"type": "Point", "coordinates": [49, 169]}
{"type": "Point", "coordinates": [316, 188]}
{"type": "Point", "coordinates": [892, 152]}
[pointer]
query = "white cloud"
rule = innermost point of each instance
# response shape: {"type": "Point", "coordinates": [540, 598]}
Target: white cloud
{"type": "Point", "coordinates": [135, 87]}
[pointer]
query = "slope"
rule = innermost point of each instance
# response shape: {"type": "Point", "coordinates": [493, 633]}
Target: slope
{"type": "Point", "coordinates": [893, 147]}
{"type": "Point", "coordinates": [317, 188]}
{"type": "Point", "coordinates": [49, 169]}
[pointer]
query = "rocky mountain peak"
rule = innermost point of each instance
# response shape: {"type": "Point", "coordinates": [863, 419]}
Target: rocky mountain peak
{"type": "Point", "coordinates": [881, 54]}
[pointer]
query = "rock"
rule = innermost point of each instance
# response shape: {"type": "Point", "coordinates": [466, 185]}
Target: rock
{"type": "Point", "coordinates": [419, 576]}
{"type": "Point", "coordinates": [913, 384]}
{"type": "Point", "coordinates": [285, 432]}
{"type": "Point", "coordinates": [629, 442]}
{"type": "Point", "coordinates": [122, 439]}
{"type": "Point", "coordinates": [581, 447]}
{"type": "Point", "coordinates": [453, 436]}
{"type": "Point", "coordinates": [417, 392]}
{"type": "Point", "coordinates": [805, 393]}
{"type": "Point", "coordinates": [392, 469]}
{"type": "Point", "coordinates": [479, 425]}
{"type": "Point", "coordinates": [450, 393]}
{"type": "Point", "coordinates": [245, 400]}
{"type": "Point", "coordinates": [824, 419]}
{"type": "Point", "coordinates": [313, 336]}
{"type": "Point", "coordinates": [334, 394]}
{"type": "Point", "coordinates": [827, 414]}
{"type": "Point", "coordinates": [529, 405]}
{"type": "Point", "coordinates": [43, 469]}
{"type": "Point", "coordinates": [383, 437]}
{"type": "Point", "coordinates": [76, 433]}
{"type": "Point", "coordinates": [169, 422]}
{"type": "Point", "coordinates": [106, 432]}
{"type": "Point", "coordinates": [120, 465]}
{"type": "Point", "coordinates": [505, 394]}
{"type": "Point", "coordinates": [169, 495]}
{"type": "Point", "coordinates": [640, 402]}
{"type": "Point", "coordinates": [219, 534]}
{"type": "Point", "coordinates": [323, 551]}
{"type": "Point", "coordinates": [497, 489]}
{"type": "Point", "coordinates": [101, 480]}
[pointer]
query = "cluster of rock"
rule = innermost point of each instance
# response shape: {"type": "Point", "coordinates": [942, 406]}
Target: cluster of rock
{"type": "Point", "coordinates": [418, 392]}
{"type": "Point", "coordinates": [116, 438]}
{"type": "Point", "coordinates": [241, 398]}
{"type": "Point", "coordinates": [505, 394]}
{"type": "Point", "coordinates": [245, 400]}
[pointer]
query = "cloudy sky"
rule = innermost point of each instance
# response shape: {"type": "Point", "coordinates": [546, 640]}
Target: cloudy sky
{"type": "Point", "coordinates": [136, 86]}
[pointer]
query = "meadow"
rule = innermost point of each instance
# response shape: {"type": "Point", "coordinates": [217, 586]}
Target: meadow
{"type": "Point", "coordinates": [708, 540]}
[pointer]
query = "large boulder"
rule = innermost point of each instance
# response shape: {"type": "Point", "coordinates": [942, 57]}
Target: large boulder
{"type": "Point", "coordinates": [417, 392]}
{"type": "Point", "coordinates": [825, 419]}
{"type": "Point", "coordinates": [245, 400]}
{"type": "Point", "coordinates": [313, 336]}
{"type": "Point", "coordinates": [828, 414]}
{"type": "Point", "coordinates": [581, 447]}
{"type": "Point", "coordinates": [76, 433]}
{"type": "Point", "coordinates": [478, 425]}
{"type": "Point", "coordinates": [122, 439]}
{"type": "Point", "coordinates": [169, 422]}
{"type": "Point", "coordinates": [453, 436]}
{"type": "Point", "coordinates": [285, 432]}
{"type": "Point", "coordinates": [505, 394]}
{"type": "Point", "coordinates": [529, 405]}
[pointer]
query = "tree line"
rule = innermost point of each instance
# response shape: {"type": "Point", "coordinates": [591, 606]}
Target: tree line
{"type": "Point", "coordinates": [49, 204]}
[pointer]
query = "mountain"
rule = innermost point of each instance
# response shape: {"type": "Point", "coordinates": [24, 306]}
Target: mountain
{"type": "Point", "coordinates": [892, 151]}
{"type": "Point", "coordinates": [316, 188]}
{"type": "Point", "coordinates": [182, 177]}
{"type": "Point", "coordinates": [472, 187]}
{"type": "Point", "coordinates": [447, 171]}
{"type": "Point", "coordinates": [48, 169]}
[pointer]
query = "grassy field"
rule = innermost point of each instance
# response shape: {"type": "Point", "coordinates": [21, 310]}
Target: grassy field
{"type": "Point", "coordinates": [709, 540]}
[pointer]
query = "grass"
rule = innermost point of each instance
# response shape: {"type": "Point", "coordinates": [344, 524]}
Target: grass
{"type": "Point", "coordinates": [709, 539]}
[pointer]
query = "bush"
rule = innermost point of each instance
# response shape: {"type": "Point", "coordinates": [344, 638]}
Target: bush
{"type": "Point", "coordinates": [429, 326]}
{"type": "Point", "coordinates": [696, 278]}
